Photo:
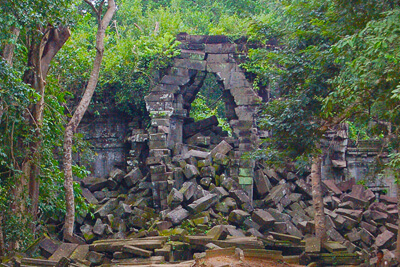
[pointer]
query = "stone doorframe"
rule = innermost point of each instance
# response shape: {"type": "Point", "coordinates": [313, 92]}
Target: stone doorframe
{"type": "Point", "coordinates": [169, 101]}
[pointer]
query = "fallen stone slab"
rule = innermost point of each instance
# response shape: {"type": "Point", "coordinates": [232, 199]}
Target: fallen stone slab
{"type": "Point", "coordinates": [385, 239]}
{"type": "Point", "coordinates": [175, 198]}
{"type": "Point", "coordinates": [331, 186]}
{"type": "Point", "coordinates": [285, 237]}
{"type": "Point", "coordinates": [222, 148]}
{"type": "Point", "coordinates": [263, 185]}
{"type": "Point", "coordinates": [37, 262]}
{"type": "Point", "coordinates": [134, 176]}
{"type": "Point", "coordinates": [354, 214]}
{"type": "Point", "coordinates": [203, 203]}
{"type": "Point", "coordinates": [237, 217]}
{"type": "Point", "coordinates": [48, 247]}
{"type": "Point", "coordinates": [313, 245]}
{"type": "Point", "coordinates": [89, 196]}
{"type": "Point", "coordinates": [64, 250]}
{"type": "Point", "coordinates": [333, 247]}
{"type": "Point", "coordinates": [263, 218]}
{"type": "Point", "coordinates": [137, 251]}
{"type": "Point", "coordinates": [177, 215]}
{"type": "Point", "coordinates": [190, 171]}
{"type": "Point", "coordinates": [263, 254]}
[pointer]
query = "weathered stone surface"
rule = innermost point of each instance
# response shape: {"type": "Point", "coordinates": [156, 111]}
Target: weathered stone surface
{"type": "Point", "coordinates": [117, 175]}
{"type": "Point", "coordinates": [188, 190]}
{"type": "Point", "coordinates": [220, 191]}
{"type": "Point", "coordinates": [388, 200]}
{"type": "Point", "coordinates": [95, 183]}
{"type": "Point", "coordinates": [222, 148]}
{"type": "Point", "coordinates": [177, 215]}
{"type": "Point", "coordinates": [242, 199]}
{"type": "Point", "coordinates": [263, 218]}
{"type": "Point", "coordinates": [64, 250]}
{"type": "Point", "coordinates": [221, 159]}
{"type": "Point", "coordinates": [175, 198]}
{"type": "Point", "coordinates": [237, 217]}
{"type": "Point", "coordinates": [190, 64]}
{"type": "Point", "coordinates": [331, 186]}
{"type": "Point", "coordinates": [99, 227]}
{"type": "Point", "coordinates": [355, 214]}
{"type": "Point", "coordinates": [218, 232]}
{"type": "Point", "coordinates": [276, 194]}
{"type": "Point", "coordinates": [358, 203]}
{"type": "Point", "coordinates": [369, 227]}
{"type": "Point", "coordinates": [208, 171]}
{"type": "Point", "coordinates": [313, 245]}
{"type": "Point", "coordinates": [89, 196]}
{"type": "Point", "coordinates": [279, 216]}
{"type": "Point", "coordinates": [220, 48]}
{"type": "Point", "coordinates": [95, 258]}
{"type": "Point", "coordinates": [226, 206]}
{"type": "Point", "coordinates": [385, 239]}
{"type": "Point", "coordinates": [123, 210]}
{"type": "Point", "coordinates": [173, 80]}
{"type": "Point", "coordinates": [366, 237]}
{"type": "Point", "coordinates": [203, 203]}
{"type": "Point", "coordinates": [205, 182]}
{"type": "Point", "coordinates": [262, 183]}
{"type": "Point", "coordinates": [47, 247]}
{"type": "Point", "coordinates": [133, 177]}
{"type": "Point", "coordinates": [107, 208]}
{"type": "Point", "coordinates": [190, 171]}
{"type": "Point", "coordinates": [230, 184]}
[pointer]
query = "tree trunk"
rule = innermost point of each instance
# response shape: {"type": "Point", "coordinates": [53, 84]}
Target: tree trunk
{"type": "Point", "coordinates": [41, 53]}
{"type": "Point", "coordinates": [318, 203]}
{"type": "Point", "coordinates": [79, 112]}
{"type": "Point", "coordinates": [8, 55]}
{"type": "Point", "coordinates": [398, 222]}
{"type": "Point", "coordinates": [2, 244]}
{"type": "Point", "coordinates": [8, 52]}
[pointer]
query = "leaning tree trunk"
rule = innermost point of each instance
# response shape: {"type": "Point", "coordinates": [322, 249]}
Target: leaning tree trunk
{"type": "Point", "coordinates": [318, 203]}
{"type": "Point", "coordinates": [398, 222]}
{"type": "Point", "coordinates": [80, 111]}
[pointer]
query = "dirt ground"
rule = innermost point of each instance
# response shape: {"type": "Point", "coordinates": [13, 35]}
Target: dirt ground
{"type": "Point", "coordinates": [226, 261]}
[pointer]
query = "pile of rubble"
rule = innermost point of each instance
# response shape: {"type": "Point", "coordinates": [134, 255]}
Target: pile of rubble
{"type": "Point", "coordinates": [206, 209]}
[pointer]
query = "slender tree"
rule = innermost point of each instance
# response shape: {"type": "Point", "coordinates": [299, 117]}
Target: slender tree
{"type": "Point", "coordinates": [8, 54]}
{"type": "Point", "coordinates": [81, 109]}
{"type": "Point", "coordinates": [42, 51]}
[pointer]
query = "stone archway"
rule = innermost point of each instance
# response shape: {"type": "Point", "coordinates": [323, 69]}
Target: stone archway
{"type": "Point", "coordinates": [169, 101]}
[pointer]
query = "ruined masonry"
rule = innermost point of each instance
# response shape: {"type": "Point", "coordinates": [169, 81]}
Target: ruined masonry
{"type": "Point", "coordinates": [187, 194]}
{"type": "Point", "coordinates": [173, 133]}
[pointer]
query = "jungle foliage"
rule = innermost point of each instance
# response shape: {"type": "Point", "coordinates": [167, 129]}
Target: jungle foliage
{"type": "Point", "coordinates": [321, 62]}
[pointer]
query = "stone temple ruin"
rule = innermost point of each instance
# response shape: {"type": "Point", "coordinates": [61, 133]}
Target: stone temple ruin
{"type": "Point", "coordinates": [182, 190]}
{"type": "Point", "coordinates": [172, 133]}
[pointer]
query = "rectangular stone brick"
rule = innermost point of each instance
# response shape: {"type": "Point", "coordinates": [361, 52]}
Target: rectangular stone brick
{"type": "Point", "coordinates": [218, 58]}
{"type": "Point", "coordinates": [190, 64]}
{"type": "Point", "coordinates": [220, 48]}
{"type": "Point", "coordinates": [190, 54]}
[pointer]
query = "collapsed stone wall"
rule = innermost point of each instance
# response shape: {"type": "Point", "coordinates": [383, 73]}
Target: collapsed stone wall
{"type": "Point", "coordinates": [345, 159]}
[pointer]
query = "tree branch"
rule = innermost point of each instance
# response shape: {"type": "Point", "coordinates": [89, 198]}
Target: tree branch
{"type": "Point", "coordinates": [94, 9]}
